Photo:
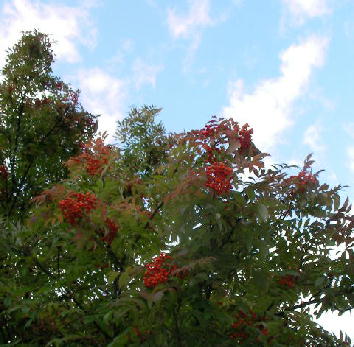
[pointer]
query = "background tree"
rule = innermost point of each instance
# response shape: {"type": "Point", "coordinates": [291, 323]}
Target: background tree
{"type": "Point", "coordinates": [208, 249]}
{"type": "Point", "coordinates": [143, 141]}
{"type": "Point", "coordinates": [42, 124]}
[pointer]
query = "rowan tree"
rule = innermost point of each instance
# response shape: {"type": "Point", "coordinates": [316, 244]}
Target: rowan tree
{"type": "Point", "coordinates": [42, 124]}
{"type": "Point", "coordinates": [204, 247]}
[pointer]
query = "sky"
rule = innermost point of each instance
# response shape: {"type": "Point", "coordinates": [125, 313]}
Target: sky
{"type": "Point", "coordinates": [286, 67]}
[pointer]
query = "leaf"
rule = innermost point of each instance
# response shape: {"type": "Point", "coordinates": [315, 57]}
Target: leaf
{"type": "Point", "coordinates": [263, 212]}
{"type": "Point", "coordinates": [112, 275]}
{"type": "Point", "coordinates": [261, 280]}
{"type": "Point", "coordinates": [336, 202]}
{"type": "Point", "coordinates": [126, 276]}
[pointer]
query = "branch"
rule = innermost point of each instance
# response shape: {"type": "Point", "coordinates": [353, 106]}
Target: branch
{"type": "Point", "coordinates": [315, 301]}
{"type": "Point", "coordinates": [70, 294]}
{"type": "Point", "coordinates": [18, 186]}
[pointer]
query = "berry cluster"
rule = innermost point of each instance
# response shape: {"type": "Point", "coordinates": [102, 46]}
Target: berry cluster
{"type": "Point", "coordinates": [219, 177]}
{"type": "Point", "coordinates": [111, 234]}
{"type": "Point", "coordinates": [287, 281]}
{"type": "Point", "coordinates": [302, 180]}
{"type": "Point", "coordinates": [3, 172]}
{"type": "Point", "coordinates": [75, 204]}
{"type": "Point", "coordinates": [244, 320]}
{"type": "Point", "coordinates": [158, 271]}
{"type": "Point", "coordinates": [95, 155]}
{"type": "Point", "coordinates": [221, 137]}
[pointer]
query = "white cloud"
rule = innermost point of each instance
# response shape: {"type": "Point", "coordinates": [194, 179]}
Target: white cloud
{"type": "Point", "coordinates": [197, 18]}
{"type": "Point", "coordinates": [302, 9]}
{"type": "Point", "coordinates": [312, 138]}
{"type": "Point", "coordinates": [268, 108]}
{"type": "Point", "coordinates": [350, 153]}
{"type": "Point", "coordinates": [144, 73]}
{"type": "Point", "coordinates": [191, 25]}
{"type": "Point", "coordinates": [335, 323]}
{"type": "Point", "coordinates": [102, 94]}
{"type": "Point", "coordinates": [68, 26]}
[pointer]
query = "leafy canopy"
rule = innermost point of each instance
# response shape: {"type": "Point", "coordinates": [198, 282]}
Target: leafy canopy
{"type": "Point", "coordinates": [42, 124]}
{"type": "Point", "coordinates": [202, 246]}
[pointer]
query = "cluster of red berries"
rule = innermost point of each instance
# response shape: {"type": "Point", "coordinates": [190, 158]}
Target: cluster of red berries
{"type": "Point", "coordinates": [95, 155]}
{"type": "Point", "coordinates": [158, 271]}
{"type": "Point", "coordinates": [3, 172]}
{"type": "Point", "coordinates": [302, 180]}
{"type": "Point", "coordinates": [113, 229]}
{"type": "Point", "coordinates": [287, 281]}
{"type": "Point", "coordinates": [219, 177]}
{"type": "Point", "coordinates": [214, 138]}
{"type": "Point", "coordinates": [75, 204]}
{"type": "Point", "coordinates": [244, 320]}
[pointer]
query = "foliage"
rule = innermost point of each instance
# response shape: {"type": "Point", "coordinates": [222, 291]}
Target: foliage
{"type": "Point", "coordinates": [42, 124]}
{"type": "Point", "coordinates": [143, 142]}
{"type": "Point", "coordinates": [203, 247]}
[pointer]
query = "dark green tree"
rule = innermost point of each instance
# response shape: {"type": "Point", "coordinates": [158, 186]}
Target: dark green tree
{"type": "Point", "coordinates": [42, 124]}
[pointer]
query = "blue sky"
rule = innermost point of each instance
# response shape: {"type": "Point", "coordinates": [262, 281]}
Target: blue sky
{"type": "Point", "coordinates": [284, 66]}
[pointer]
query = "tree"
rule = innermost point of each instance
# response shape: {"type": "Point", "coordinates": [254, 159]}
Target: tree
{"type": "Point", "coordinates": [42, 124]}
{"type": "Point", "coordinates": [144, 142]}
{"type": "Point", "coordinates": [206, 247]}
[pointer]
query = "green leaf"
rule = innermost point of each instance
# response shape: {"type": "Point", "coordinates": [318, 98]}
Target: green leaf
{"type": "Point", "coordinates": [263, 212]}
{"type": "Point", "coordinates": [112, 275]}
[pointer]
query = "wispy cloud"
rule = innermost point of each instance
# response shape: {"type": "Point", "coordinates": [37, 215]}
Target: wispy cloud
{"type": "Point", "coordinates": [191, 24]}
{"type": "Point", "coordinates": [68, 26]}
{"type": "Point", "coordinates": [304, 9]}
{"type": "Point", "coordinates": [144, 73]}
{"type": "Point", "coordinates": [312, 138]}
{"type": "Point", "coordinates": [104, 95]}
{"type": "Point", "coordinates": [268, 109]}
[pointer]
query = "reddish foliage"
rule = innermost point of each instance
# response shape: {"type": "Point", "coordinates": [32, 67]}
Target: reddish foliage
{"type": "Point", "coordinates": [218, 133]}
{"type": "Point", "coordinates": [302, 180]}
{"type": "Point", "coordinates": [242, 321]}
{"type": "Point", "coordinates": [113, 229]}
{"type": "Point", "coordinates": [59, 85]}
{"type": "Point", "coordinates": [95, 155]}
{"type": "Point", "coordinates": [245, 138]}
{"type": "Point", "coordinates": [3, 172]}
{"type": "Point", "coordinates": [75, 204]}
{"type": "Point", "coordinates": [141, 335]}
{"type": "Point", "coordinates": [40, 102]}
